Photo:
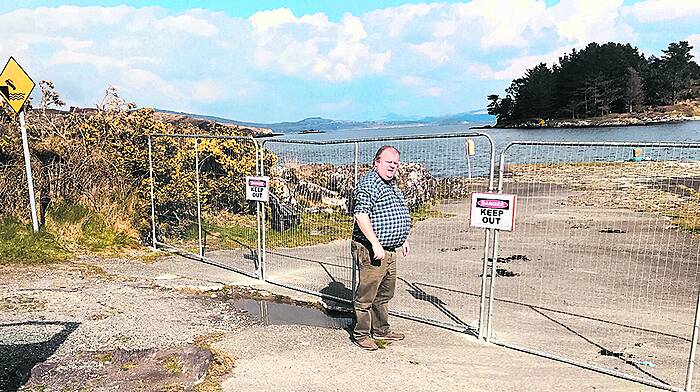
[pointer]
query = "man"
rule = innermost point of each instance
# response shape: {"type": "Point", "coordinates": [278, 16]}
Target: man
{"type": "Point", "coordinates": [382, 223]}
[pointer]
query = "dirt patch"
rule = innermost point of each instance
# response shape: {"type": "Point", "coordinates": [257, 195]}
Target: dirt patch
{"type": "Point", "coordinates": [177, 368]}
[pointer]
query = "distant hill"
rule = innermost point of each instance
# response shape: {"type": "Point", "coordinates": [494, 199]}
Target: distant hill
{"type": "Point", "coordinates": [325, 124]}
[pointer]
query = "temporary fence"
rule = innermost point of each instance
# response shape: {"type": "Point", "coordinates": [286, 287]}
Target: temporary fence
{"type": "Point", "coordinates": [307, 239]}
{"type": "Point", "coordinates": [602, 270]}
{"type": "Point", "coordinates": [198, 198]}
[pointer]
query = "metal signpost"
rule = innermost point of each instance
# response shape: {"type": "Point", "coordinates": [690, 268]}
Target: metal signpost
{"type": "Point", "coordinates": [15, 87]}
{"type": "Point", "coordinates": [493, 212]}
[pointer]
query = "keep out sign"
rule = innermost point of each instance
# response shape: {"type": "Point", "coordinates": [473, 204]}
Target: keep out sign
{"type": "Point", "coordinates": [256, 188]}
{"type": "Point", "coordinates": [492, 211]}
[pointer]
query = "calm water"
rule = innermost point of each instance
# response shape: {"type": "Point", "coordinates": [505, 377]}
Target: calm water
{"type": "Point", "coordinates": [447, 156]}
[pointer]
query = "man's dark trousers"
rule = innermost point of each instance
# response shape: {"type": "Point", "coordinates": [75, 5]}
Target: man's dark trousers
{"type": "Point", "coordinates": [375, 287]}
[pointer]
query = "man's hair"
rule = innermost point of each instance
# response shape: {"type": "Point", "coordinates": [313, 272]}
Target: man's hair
{"type": "Point", "coordinates": [381, 150]}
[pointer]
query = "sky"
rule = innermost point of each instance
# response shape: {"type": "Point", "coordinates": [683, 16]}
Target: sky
{"type": "Point", "coordinates": [269, 61]}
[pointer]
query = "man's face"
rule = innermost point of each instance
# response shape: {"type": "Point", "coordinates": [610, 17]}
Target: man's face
{"type": "Point", "coordinates": [387, 164]}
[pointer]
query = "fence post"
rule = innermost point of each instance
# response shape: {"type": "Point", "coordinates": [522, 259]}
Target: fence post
{"type": "Point", "coordinates": [494, 251]}
{"type": "Point", "coordinates": [693, 346]}
{"type": "Point", "coordinates": [153, 197]}
{"type": "Point", "coordinates": [263, 256]}
{"type": "Point", "coordinates": [258, 249]}
{"type": "Point", "coordinates": [484, 271]}
{"type": "Point", "coordinates": [494, 257]}
{"type": "Point", "coordinates": [353, 278]}
{"type": "Point", "coordinates": [199, 202]}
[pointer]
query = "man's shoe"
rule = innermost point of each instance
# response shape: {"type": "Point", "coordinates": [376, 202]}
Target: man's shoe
{"type": "Point", "coordinates": [366, 343]}
{"type": "Point", "coordinates": [391, 335]}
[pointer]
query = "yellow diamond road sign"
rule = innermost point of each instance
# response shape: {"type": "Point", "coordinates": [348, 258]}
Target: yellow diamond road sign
{"type": "Point", "coordinates": [15, 84]}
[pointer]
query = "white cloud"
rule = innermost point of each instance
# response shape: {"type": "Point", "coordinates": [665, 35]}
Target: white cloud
{"type": "Point", "coordinates": [102, 63]}
{"type": "Point", "coordinates": [437, 52]}
{"type": "Point", "coordinates": [421, 86]}
{"type": "Point", "coordinates": [207, 91]}
{"type": "Point", "coordinates": [580, 22]}
{"type": "Point", "coordinates": [694, 41]}
{"type": "Point", "coordinates": [516, 67]}
{"type": "Point", "coordinates": [395, 20]}
{"type": "Point", "coordinates": [188, 24]}
{"type": "Point", "coordinates": [311, 46]}
{"type": "Point", "coordinates": [503, 23]}
{"type": "Point", "coordinates": [663, 10]}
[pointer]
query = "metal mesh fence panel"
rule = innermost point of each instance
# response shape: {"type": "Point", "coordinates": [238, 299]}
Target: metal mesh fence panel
{"type": "Point", "coordinates": [199, 198]}
{"type": "Point", "coordinates": [309, 230]}
{"type": "Point", "coordinates": [602, 267]}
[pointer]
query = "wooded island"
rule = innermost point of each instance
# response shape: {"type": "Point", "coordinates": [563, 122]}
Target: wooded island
{"type": "Point", "coordinates": [601, 80]}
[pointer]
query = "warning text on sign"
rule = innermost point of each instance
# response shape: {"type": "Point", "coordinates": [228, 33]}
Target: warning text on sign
{"type": "Point", "coordinates": [256, 188]}
{"type": "Point", "coordinates": [492, 211]}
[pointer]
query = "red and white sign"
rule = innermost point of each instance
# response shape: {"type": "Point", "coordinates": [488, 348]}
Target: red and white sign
{"type": "Point", "coordinates": [257, 188]}
{"type": "Point", "coordinates": [492, 211]}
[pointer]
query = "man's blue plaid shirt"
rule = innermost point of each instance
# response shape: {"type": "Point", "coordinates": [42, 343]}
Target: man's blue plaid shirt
{"type": "Point", "coordinates": [385, 205]}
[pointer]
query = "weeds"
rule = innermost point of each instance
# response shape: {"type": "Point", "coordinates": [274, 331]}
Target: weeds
{"type": "Point", "coordinates": [20, 244]}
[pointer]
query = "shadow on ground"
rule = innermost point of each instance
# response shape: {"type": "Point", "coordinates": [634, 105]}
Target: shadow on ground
{"type": "Point", "coordinates": [17, 360]}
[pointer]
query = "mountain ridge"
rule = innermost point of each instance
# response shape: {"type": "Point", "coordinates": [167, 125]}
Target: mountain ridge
{"type": "Point", "coordinates": [325, 124]}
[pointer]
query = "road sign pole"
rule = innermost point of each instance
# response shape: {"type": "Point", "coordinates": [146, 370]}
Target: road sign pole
{"type": "Point", "coordinates": [28, 167]}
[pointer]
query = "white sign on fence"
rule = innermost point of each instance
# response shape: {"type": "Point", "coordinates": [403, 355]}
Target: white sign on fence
{"type": "Point", "coordinates": [256, 188]}
{"type": "Point", "coordinates": [492, 211]}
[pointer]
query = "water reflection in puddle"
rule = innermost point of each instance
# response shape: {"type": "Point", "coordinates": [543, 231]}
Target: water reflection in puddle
{"type": "Point", "coordinates": [273, 313]}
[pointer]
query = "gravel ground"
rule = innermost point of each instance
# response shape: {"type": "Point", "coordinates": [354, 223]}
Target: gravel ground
{"type": "Point", "coordinates": [63, 314]}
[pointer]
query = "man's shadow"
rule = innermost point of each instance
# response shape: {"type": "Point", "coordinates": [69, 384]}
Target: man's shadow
{"type": "Point", "coordinates": [18, 360]}
{"type": "Point", "coordinates": [342, 311]}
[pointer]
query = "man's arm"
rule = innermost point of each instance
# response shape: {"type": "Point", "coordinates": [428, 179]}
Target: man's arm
{"type": "Point", "coordinates": [365, 226]}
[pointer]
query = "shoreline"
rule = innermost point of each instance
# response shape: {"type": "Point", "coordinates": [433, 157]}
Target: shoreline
{"type": "Point", "coordinates": [681, 112]}
{"type": "Point", "coordinates": [590, 123]}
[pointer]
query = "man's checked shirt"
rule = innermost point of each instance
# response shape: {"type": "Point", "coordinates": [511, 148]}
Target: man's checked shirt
{"type": "Point", "coordinates": [385, 205]}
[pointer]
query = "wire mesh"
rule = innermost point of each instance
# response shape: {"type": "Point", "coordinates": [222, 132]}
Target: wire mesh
{"type": "Point", "coordinates": [310, 225]}
{"type": "Point", "coordinates": [199, 198]}
{"type": "Point", "coordinates": [602, 266]}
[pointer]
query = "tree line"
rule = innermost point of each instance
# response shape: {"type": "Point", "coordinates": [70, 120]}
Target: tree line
{"type": "Point", "coordinates": [599, 80]}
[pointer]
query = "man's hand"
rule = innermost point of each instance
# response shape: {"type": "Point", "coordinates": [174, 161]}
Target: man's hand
{"type": "Point", "coordinates": [406, 249]}
{"type": "Point", "coordinates": [378, 251]}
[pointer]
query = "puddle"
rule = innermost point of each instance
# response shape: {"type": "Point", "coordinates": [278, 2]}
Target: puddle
{"type": "Point", "coordinates": [273, 313]}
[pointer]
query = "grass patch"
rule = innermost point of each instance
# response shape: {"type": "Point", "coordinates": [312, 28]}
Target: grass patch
{"type": "Point", "coordinates": [689, 222]}
{"type": "Point", "coordinates": [317, 228]}
{"type": "Point", "coordinates": [20, 244]}
{"type": "Point", "coordinates": [172, 364]}
{"type": "Point", "coordinates": [382, 344]}
{"type": "Point", "coordinates": [105, 357]}
{"type": "Point", "coordinates": [82, 228]}
{"type": "Point", "coordinates": [426, 211]}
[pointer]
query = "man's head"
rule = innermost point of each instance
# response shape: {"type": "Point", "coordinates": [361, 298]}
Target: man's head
{"type": "Point", "coordinates": [386, 162]}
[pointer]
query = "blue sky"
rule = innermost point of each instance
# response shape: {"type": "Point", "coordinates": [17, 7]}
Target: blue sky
{"type": "Point", "coordinates": [269, 61]}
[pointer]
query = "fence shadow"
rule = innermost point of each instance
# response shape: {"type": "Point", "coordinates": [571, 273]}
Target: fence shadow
{"type": "Point", "coordinates": [602, 350]}
{"type": "Point", "coordinates": [535, 307]}
{"type": "Point", "coordinates": [18, 360]}
{"type": "Point", "coordinates": [421, 295]}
